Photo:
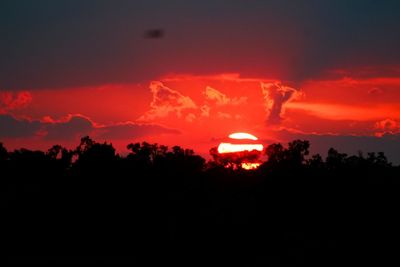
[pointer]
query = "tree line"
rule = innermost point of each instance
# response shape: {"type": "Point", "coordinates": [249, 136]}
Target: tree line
{"type": "Point", "coordinates": [146, 155]}
{"type": "Point", "coordinates": [159, 205]}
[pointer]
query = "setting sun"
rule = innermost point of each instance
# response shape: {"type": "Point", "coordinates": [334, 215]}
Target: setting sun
{"type": "Point", "coordinates": [243, 154]}
{"type": "Point", "coordinates": [225, 147]}
{"type": "Point", "coordinates": [232, 148]}
{"type": "Point", "coordinates": [241, 136]}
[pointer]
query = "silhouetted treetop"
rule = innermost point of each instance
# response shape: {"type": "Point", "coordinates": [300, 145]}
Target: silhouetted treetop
{"type": "Point", "coordinates": [89, 150]}
{"type": "Point", "coordinates": [293, 156]}
{"type": "Point", "coordinates": [3, 152]}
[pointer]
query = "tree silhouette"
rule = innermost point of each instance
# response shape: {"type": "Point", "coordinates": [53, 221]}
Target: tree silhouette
{"type": "Point", "coordinates": [3, 152]}
{"type": "Point", "coordinates": [379, 160]}
{"type": "Point", "coordinates": [234, 160]}
{"type": "Point", "coordinates": [61, 156]}
{"type": "Point", "coordinates": [89, 150]}
{"type": "Point", "coordinates": [297, 151]}
{"type": "Point", "coordinates": [291, 157]}
{"type": "Point", "coordinates": [157, 200]}
{"type": "Point", "coordinates": [144, 153]}
{"type": "Point", "coordinates": [276, 153]}
{"type": "Point", "coordinates": [335, 160]}
{"type": "Point", "coordinates": [316, 162]}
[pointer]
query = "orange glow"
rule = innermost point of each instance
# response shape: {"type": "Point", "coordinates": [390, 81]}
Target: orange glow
{"type": "Point", "coordinates": [250, 166]}
{"type": "Point", "coordinates": [242, 136]}
{"type": "Point", "coordinates": [232, 148]}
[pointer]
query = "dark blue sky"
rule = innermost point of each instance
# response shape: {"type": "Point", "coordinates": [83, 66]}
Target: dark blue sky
{"type": "Point", "coordinates": [52, 44]}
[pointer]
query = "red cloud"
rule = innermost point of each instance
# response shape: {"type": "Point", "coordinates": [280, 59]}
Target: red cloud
{"type": "Point", "coordinates": [387, 126]}
{"type": "Point", "coordinates": [10, 100]}
{"type": "Point", "coordinates": [166, 101]}
{"type": "Point", "coordinates": [276, 96]}
{"type": "Point", "coordinates": [221, 99]}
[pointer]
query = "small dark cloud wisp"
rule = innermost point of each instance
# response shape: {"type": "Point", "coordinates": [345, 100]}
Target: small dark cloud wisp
{"type": "Point", "coordinates": [154, 34]}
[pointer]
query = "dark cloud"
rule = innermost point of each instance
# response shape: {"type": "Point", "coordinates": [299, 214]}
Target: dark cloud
{"type": "Point", "coordinates": [133, 130]}
{"type": "Point", "coordinates": [71, 129]}
{"type": "Point", "coordinates": [74, 127]}
{"type": "Point", "coordinates": [13, 128]}
{"type": "Point", "coordinates": [154, 34]}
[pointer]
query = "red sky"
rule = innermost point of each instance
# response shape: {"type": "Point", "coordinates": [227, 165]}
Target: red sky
{"type": "Point", "coordinates": [326, 71]}
{"type": "Point", "coordinates": [198, 111]}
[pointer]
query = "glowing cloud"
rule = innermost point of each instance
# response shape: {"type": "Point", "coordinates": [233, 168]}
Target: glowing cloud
{"type": "Point", "coordinates": [205, 111]}
{"type": "Point", "coordinates": [166, 101]}
{"type": "Point", "coordinates": [10, 100]}
{"type": "Point", "coordinates": [190, 117]}
{"type": "Point", "coordinates": [387, 126]}
{"type": "Point", "coordinates": [221, 99]}
{"type": "Point", "coordinates": [223, 115]}
{"type": "Point", "coordinates": [276, 96]}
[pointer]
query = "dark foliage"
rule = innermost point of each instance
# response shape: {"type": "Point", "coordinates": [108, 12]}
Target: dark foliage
{"type": "Point", "coordinates": [160, 206]}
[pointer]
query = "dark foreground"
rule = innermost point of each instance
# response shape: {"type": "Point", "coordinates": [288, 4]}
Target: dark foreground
{"type": "Point", "coordinates": [172, 208]}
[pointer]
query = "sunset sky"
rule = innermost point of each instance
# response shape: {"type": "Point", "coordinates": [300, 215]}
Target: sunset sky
{"type": "Point", "coordinates": [324, 71]}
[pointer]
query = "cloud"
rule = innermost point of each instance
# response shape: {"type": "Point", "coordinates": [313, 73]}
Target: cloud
{"type": "Point", "coordinates": [205, 111]}
{"type": "Point", "coordinates": [13, 128]}
{"type": "Point", "coordinates": [73, 127]}
{"type": "Point", "coordinates": [343, 112]}
{"type": "Point", "coordinates": [131, 130]}
{"type": "Point", "coordinates": [387, 126]}
{"type": "Point", "coordinates": [223, 115]}
{"type": "Point", "coordinates": [221, 99]}
{"type": "Point", "coordinates": [276, 96]}
{"type": "Point", "coordinates": [166, 101]}
{"type": "Point", "coordinates": [10, 100]}
{"type": "Point", "coordinates": [375, 91]}
{"type": "Point", "coordinates": [190, 117]}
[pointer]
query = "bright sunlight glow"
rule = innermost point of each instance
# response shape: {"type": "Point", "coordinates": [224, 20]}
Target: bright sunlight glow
{"type": "Point", "coordinates": [250, 166]}
{"type": "Point", "coordinates": [231, 148]}
{"type": "Point", "coordinates": [242, 136]}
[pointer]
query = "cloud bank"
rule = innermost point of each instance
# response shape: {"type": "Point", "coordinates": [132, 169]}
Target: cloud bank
{"type": "Point", "coordinates": [75, 126]}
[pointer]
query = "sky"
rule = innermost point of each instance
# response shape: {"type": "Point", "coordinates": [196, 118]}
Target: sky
{"type": "Point", "coordinates": [325, 71]}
